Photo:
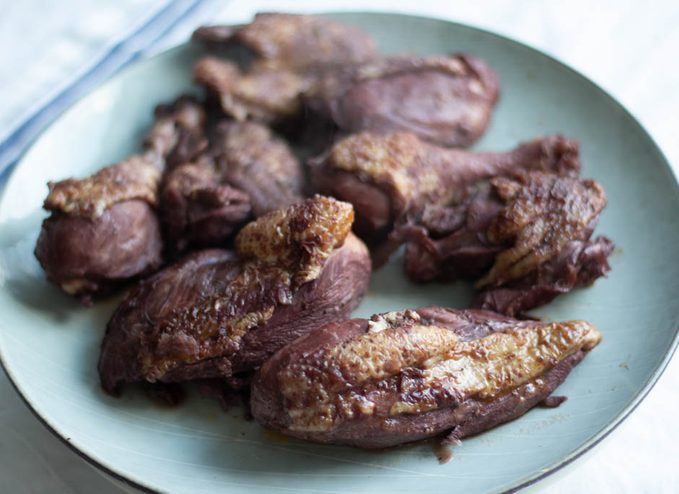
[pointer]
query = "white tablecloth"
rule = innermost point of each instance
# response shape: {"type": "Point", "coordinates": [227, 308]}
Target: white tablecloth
{"type": "Point", "coordinates": [628, 47]}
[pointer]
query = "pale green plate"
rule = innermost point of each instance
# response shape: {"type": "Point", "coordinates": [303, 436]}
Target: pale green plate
{"type": "Point", "coordinates": [49, 344]}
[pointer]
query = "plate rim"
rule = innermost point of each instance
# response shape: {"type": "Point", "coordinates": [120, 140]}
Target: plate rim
{"type": "Point", "coordinates": [516, 485]}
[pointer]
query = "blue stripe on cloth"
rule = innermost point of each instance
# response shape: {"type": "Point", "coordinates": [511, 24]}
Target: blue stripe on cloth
{"type": "Point", "coordinates": [121, 54]}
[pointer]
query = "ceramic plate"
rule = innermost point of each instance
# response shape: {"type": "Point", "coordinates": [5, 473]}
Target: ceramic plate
{"type": "Point", "coordinates": [49, 344]}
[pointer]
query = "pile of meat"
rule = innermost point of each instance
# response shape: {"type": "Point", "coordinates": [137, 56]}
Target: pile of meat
{"type": "Point", "coordinates": [244, 261]}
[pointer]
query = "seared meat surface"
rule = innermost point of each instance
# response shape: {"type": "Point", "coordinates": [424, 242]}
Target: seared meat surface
{"type": "Point", "coordinates": [197, 209]}
{"type": "Point", "coordinates": [446, 100]}
{"type": "Point", "coordinates": [178, 133]}
{"type": "Point", "coordinates": [103, 229]}
{"type": "Point", "coordinates": [530, 235]}
{"type": "Point", "coordinates": [136, 177]}
{"type": "Point", "coordinates": [447, 243]}
{"type": "Point", "coordinates": [295, 42]}
{"type": "Point", "coordinates": [258, 283]}
{"type": "Point", "coordinates": [219, 314]}
{"type": "Point", "coordinates": [547, 221]}
{"type": "Point", "coordinates": [247, 172]}
{"type": "Point", "coordinates": [409, 375]}
{"type": "Point", "coordinates": [387, 177]}
{"type": "Point", "coordinates": [251, 158]}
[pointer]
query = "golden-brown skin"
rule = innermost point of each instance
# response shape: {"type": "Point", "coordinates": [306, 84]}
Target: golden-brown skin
{"type": "Point", "coordinates": [406, 375]}
{"type": "Point", "coordinates": [542, 213]}
{"type": "Point", "coordinates": [486, 368]}
{"type": "Point", "coordinates": [137, 177]}
{"type": "Point", "coordinates": [281, 251]}
{"type": "Point", "coordinates": [525, 239]}
{"type": "Point", "coordinates": [215, 313]}
{"type": "Point", "coordinates": [305, 236]}
{"type": "Point", "coordinates": [395, 160]}
{"type": "Point", "coordinates": [388, 176]}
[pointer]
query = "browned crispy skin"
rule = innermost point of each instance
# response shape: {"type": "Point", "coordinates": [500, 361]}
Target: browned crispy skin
{"type": "Point", "coordinates": [543, 212]}
{"type": "Point", "coordinates": [294, 41]}
{"type": "Point", "coordinates": [298, 238]}
{"type": "Point", "coordinates": [217, 314]}
{"type": "Point", "coordinates": [137, 177]}
{"type": "Point", "coordinates": [103, 229]}
{"type": "Point", "coordinates": [529, 234]}
{"type": "Point", "coordinates": [387, 177]}
{"type": "Point", "coordinates": [178, 285]}
{"type": "Point", "coordinates": [251, 158]}
{"type": "Point", "coordinates": [446, 100]}
{"type": "Point", "coordinates": [178, 130]}
{"type": "Point", "coordinates": [404, 376]}
{"type": "Point", "coordinates": [578, 264]}
{"type": "Point", "coordinates": [547, 221]}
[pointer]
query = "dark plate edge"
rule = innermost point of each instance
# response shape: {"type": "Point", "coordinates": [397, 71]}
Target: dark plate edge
{"type": "Point", "coordinates": [521, 484]}
{"type": "Point", "coordinates": [72, 447]}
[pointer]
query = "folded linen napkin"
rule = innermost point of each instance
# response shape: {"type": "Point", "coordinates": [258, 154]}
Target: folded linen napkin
{"type": "Point", "coordinates": [70, 58]}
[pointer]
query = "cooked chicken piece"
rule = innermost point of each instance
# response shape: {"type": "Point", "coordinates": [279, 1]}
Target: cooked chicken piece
{"type": "Point", "coordinates": [103, 229]}
{"type": "Point", "coordinates": [251, 158]}
{"type": "Point", "coordinates": [295, 42]}
{"type": "Point", "coordinates": [247, 172]}
{"type": "Point", "coordinates": [409, 375]}
{"type": "Point", "coordinates": [198, 210]}
{"type": "Point", "coordinates": [219, 314]}
{"type": "Point", "coordinates": [333, 68]}
{"type": "Point", "coordinates": [87, 257]}
{"type": "Point", "coordinates": [548, 221]}
{"type": "Point", "coordinates": [387, 177]}
{"type": "Point", "coordinates": [448, 243]}
{"type": "Point", "coordinates": [443, 99]}
{"type": "Point", "coordinates": [529, 234]}
{"type": "Point", "coordinates": [178, 133]}
{"type": "Point", "coordinates": [446, 100]}
{"type": "Point", "coordinates": [263, 94]}
{"type": "Point", "coordinates": [136, 177]}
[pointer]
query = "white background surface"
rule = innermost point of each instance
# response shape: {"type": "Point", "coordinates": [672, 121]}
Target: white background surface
{"type": "Point", "coordinates": [628, 47]}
